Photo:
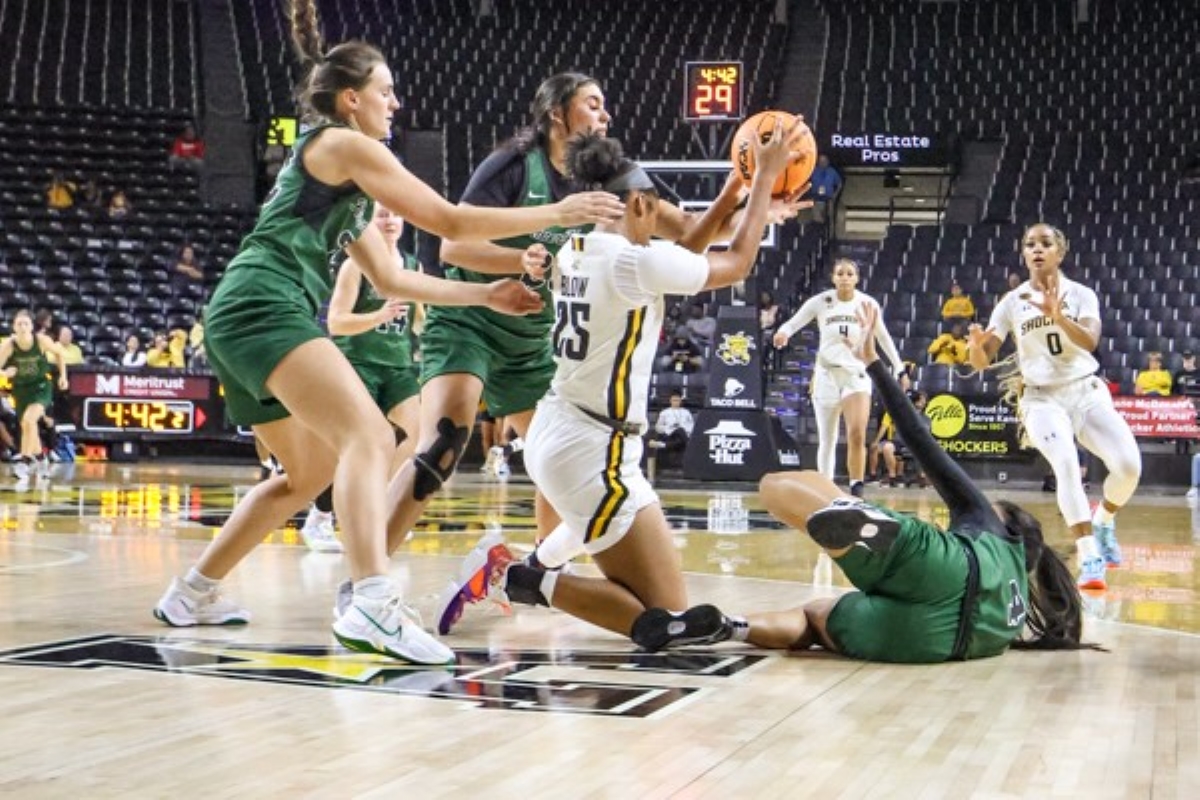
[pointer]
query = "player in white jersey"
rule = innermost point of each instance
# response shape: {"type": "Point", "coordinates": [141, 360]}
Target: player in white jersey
{"type": "Point", "coordinates": [584, 446]}
{"type": "Point", "coordinates": [840, 386]}
{"type": "Point", "coordinates": [1056, 325]}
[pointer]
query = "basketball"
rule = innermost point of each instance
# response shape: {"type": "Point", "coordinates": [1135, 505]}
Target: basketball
{"type": "Point", "coordinates": [762, 125]}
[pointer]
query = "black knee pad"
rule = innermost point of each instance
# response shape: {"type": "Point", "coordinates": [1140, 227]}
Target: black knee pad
{"type": "Point", "coordinates": [430, 474]}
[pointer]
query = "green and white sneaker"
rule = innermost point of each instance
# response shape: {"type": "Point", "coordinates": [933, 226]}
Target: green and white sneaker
{"type": "Point", "coordinates": [389, 628]}
{"type": "Point", "coordinates": [184, 607]}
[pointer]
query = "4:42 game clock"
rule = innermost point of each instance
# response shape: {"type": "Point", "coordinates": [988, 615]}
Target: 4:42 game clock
{"type": "Point", "coordinates": [712, 90]}
{"type": "Point", "coordinates": [139, 416]}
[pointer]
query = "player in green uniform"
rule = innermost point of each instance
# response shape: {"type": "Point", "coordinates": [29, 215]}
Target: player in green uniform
{"type": "Point", "coordinates": [268, 350]}
{"type": "Point", "coordinates": [468, 354]}
{"type": "Point", "coordinates": [28, 359]}
{"type": "Point", "coordinates": [924, 595]}
{"type": "Point", "coordinates": [376, 334]}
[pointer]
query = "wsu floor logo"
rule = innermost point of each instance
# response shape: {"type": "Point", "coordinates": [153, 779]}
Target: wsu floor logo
{"type": "Point", "coordinates": [488, 679]}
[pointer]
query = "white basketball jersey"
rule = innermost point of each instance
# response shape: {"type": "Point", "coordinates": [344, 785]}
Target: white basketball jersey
{"type": "Point", "coordinates": [608, 313]}
{"type": "Point", "coordinates": [837, 325]}
{"type": "Point", "coordinates": [1047, 357]}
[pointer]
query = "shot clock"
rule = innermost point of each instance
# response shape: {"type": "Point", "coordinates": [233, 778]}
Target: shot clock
{"type": "Point", "coordinates": [116, 415]}
{"type": "Point", "coordinates": [712, 90]}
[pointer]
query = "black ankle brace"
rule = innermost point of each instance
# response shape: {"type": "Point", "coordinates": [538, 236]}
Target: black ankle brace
{"type": "Point", "coordinates": [523, 584]}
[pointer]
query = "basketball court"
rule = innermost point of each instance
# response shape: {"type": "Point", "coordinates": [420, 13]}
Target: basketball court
{"type": "Point", "coordinates": [104, 701]}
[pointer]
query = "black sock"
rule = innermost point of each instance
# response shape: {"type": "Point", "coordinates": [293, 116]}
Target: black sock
{"type": "Point", "coordinates": [324, 501]}
{"type": "Point", "coordinates": [523, 584]}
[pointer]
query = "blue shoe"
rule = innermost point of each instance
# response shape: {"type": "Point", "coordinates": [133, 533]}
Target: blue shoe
{"type": "Point", "coordinates": [1092, 574]}
{"type": "Point", "coordinates": [1106, 539]}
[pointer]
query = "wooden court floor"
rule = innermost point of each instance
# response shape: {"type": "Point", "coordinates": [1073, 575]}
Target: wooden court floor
{"type": "Point", "coordinates": [100, 700]}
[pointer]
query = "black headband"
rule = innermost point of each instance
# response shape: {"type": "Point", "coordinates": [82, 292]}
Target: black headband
{"type": "Point", "coordinates": [631, 178]}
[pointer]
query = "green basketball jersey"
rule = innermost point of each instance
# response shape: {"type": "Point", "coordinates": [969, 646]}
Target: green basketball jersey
{"type": "Point", "coordinates": [33, 368]}
{"type": "Point", "coordinates": [388, 344]}
{"type": "Point", "coordinates": [999, 616]}
{"type": "Point", "coordinates": [536, 192]}
{"type": "Point", "coordinates": [304, 225]}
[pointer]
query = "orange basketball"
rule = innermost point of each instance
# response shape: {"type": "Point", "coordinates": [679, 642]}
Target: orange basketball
{"type": "Point", "coordinates": [762, 125]}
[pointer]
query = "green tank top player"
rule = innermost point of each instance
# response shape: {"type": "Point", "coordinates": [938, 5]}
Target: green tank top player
{"type": "Point", "coordinates": [29, 360]}
{"type": "Point", "coordinates": [511, 355]}
{"type": "Point", "coordinates": [266, 304]}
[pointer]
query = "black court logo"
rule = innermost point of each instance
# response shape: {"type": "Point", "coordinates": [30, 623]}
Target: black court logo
{"type": "Point", "coordinates": [569, 682]}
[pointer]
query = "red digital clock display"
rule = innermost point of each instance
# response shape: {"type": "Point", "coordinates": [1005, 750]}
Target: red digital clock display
{"type": "Point", "coordinates": [139, 416]}
{"type": "Point", "coordinates": [712, 90]}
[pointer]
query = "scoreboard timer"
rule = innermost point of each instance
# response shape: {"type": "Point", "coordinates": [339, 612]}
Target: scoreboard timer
{"type": "Point", "coordinates": [139, 416]}
{"type": "Point", "coordinates": [712, 91]}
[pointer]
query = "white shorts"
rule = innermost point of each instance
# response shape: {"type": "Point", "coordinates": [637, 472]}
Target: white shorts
{"type": "Point", "coordinates": [591, 474]}
{"type": "Point", "coordinates": [832, 385]}
{"type": "Point", "coordinates": [1075, 399]}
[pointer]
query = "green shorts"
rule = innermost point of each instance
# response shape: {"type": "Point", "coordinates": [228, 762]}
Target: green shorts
{"type": "Point", "coordinates": [512, 381]}
{"type": "Point", "coordinates": [910, 598]}
{"type": "Point", "coordinates": [388, 385]}
{"type": "Point", "coordinates": [254, 319]}
{"type": "Point", "coordinates": [26, 396]}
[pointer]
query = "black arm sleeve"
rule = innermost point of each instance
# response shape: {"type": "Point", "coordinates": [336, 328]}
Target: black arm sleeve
{"type": "Point", "coordinates": [968, 506]}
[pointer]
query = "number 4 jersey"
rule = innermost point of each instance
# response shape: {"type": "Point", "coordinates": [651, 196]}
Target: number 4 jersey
{"type": "Point", "coordinates": [1046, 355]}
{"type": "Point", "coordinates": [608, 307]}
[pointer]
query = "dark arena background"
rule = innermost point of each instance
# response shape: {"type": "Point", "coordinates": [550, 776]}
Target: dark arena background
{"type": "Point", "coordinates": [954, 126]}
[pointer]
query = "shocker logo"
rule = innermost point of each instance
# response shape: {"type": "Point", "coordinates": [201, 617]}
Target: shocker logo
{"type": "Point", "coordinates": [734, 349]}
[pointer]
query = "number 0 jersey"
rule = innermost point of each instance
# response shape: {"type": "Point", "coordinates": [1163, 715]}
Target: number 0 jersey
{"type": "Point", "coordinates": [608, 311]}
{"type": "Point", "coordinates": [1046, 355]}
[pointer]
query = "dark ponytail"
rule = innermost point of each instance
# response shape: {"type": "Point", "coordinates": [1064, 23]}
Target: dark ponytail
{"type": "Point", "coordinates": [1055, 614]}
{"type": "Point", "coordinates": [346, 66]}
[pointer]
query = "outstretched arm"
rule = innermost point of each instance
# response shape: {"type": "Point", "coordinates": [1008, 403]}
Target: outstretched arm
{"type": "Point", "coordinates": [959, 492]}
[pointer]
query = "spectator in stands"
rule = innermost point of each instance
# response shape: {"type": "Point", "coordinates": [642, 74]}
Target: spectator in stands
{"type": "Point", "coordinates": [671, 431]}
{"type": "Point", "coordinates": [1014, 280]}
{"type": "Point", "coordinates": [951, 347]}
{"type": "Point", "coordinates": [167, 352]}
{"type": "Point", "coordinates": [681, 354]}
{"type": "Point", "coordinates": [187, 269]}
{"type": "Point", "coordinates": [1056, 324]}
{"type": "Point", "coordinates": [43, 322]}
{"type": "Point", "coordinates": [60, 192]}
{"type": "Point", "coordinates": [198, 358]}
{"type": "Point", "coordinates": [187, 151]}
{"type": "Point", "coordinates": [133, 355]}
{"type": "Point", "coordinates": [890, 444]}
{"type": "Point", "coordinates": [826, 186]}
{"type": "Point", "coordinates": [958, 306]}
{"type": "Point", "coordinates": [1153, 380]}
{"type": "Point", "coordinates": [119, 206]}
{"type": "Point", "coordinates": [72, 354]}
{"type": "Point", "coordinates": [702, 326]}
{"type": "Point", "coordinates": [770, 315]}
{"type": "Point", "coordinates": [91, 196]}
{"type": "Point", "coordinates": [1186, 380]}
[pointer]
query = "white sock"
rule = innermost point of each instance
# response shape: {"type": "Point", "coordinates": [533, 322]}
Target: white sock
{"type": "Point", "coordinates": [200, 582]}
{"type": "Point", "coordinates": [548, 585]}
{"type": "Point", "coordinates": [741, 628]}
{"type": "Point", "coordinates": [376, 587]}
{"type": "Point", "coordinates": [1086, 547]}
{"type": "Point", "coordinates": [316, 516]}
{"type": "Point", "coordinates": [1103, 516]}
